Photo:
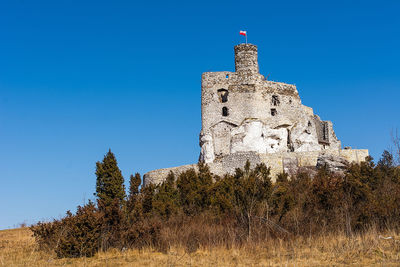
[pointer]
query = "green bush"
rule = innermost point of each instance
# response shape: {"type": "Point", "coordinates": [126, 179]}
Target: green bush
{"type": "Point", "coordinates": [197, 208]}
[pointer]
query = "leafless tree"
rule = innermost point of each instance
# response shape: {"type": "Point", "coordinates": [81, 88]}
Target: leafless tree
{"type": "Point", "coordinates": [396, 144]}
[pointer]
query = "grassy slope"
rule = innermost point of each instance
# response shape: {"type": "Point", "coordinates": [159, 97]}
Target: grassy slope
{"type": "Point", "coordinates": [17, 248]}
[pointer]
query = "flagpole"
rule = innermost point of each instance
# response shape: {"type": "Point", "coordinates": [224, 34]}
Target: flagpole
{"type": "Point", "coordinates": [244, 33]}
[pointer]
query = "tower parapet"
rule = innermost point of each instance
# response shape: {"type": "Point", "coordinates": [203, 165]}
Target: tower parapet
{"type": "Point", "coordinates": [246, 59]}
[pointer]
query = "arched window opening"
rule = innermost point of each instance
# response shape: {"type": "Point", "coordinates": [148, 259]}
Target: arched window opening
{"type": "Point", "coordinates": [275, 100]}
{"type": "Point", "coordinates": [223, 95]}
{"type": "Point", "coordinates": [225, 111]}
{"type": "Point", "coordinates": [273, 112]}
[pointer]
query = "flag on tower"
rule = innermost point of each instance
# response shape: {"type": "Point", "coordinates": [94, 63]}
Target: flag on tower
{"type": "Point", "coordinates": [244, 33]}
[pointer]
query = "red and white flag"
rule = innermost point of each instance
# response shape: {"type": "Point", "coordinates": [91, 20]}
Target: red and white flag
{"type": "Point", "coordinates": [244, 33]}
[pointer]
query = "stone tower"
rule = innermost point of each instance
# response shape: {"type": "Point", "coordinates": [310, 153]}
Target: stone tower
{"type": "Point", "coordinates": [246, 117]}
{"type": "Point", "coordinates": [246, 59]}
{"type": "Point", "coordinates": [243, 112]}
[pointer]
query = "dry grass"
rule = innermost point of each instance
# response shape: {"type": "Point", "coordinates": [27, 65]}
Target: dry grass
{"type": "Point", "coordinates": [17, 248]}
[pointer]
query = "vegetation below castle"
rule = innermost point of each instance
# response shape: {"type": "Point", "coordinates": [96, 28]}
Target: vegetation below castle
{"type": "Point", "coordinates": [198, 210]}
{"type": "Point", "coordinates": [18, 248]}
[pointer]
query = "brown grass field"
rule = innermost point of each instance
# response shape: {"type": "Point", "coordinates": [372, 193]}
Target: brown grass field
{"type": "Point", "coordinates": [17, 248]}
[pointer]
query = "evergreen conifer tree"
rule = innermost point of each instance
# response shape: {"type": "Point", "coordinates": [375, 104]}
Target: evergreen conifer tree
{"type": "Point", "coordinates": [386, 161]}
{"type": "Point", "coordinates": [166, 200]}
{"type": "Point", "coordinates": [110, 183]}
{"type": "Point", "coordinates": [134, 183]}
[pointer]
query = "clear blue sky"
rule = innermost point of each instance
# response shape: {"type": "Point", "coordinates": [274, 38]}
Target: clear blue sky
{"type": "Point", "coordinates": [80, 77]}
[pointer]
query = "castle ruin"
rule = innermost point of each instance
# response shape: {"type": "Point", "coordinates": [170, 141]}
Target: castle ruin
{"type": "Point", "coordinates": [246, 117]}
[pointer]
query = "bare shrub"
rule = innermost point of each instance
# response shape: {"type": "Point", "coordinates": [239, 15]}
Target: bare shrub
{"type": "Point", "coordinates": [74, 235]}
{"type": "Point", "coordinates": [396, 143]}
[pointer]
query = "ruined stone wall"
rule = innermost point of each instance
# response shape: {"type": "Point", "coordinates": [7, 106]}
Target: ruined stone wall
{"type": "Point", "coordinates": [278, 162]}
{"type": "Point", "coordinates": [160, 175]}
{"type": "Point", "coordinates": [243, 112]}
{"type": "Point", "coordinates": [245, 117]}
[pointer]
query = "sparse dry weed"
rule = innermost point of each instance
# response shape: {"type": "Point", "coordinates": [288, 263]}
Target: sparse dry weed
{"type": "Point", "coordinates": [17, 248]}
